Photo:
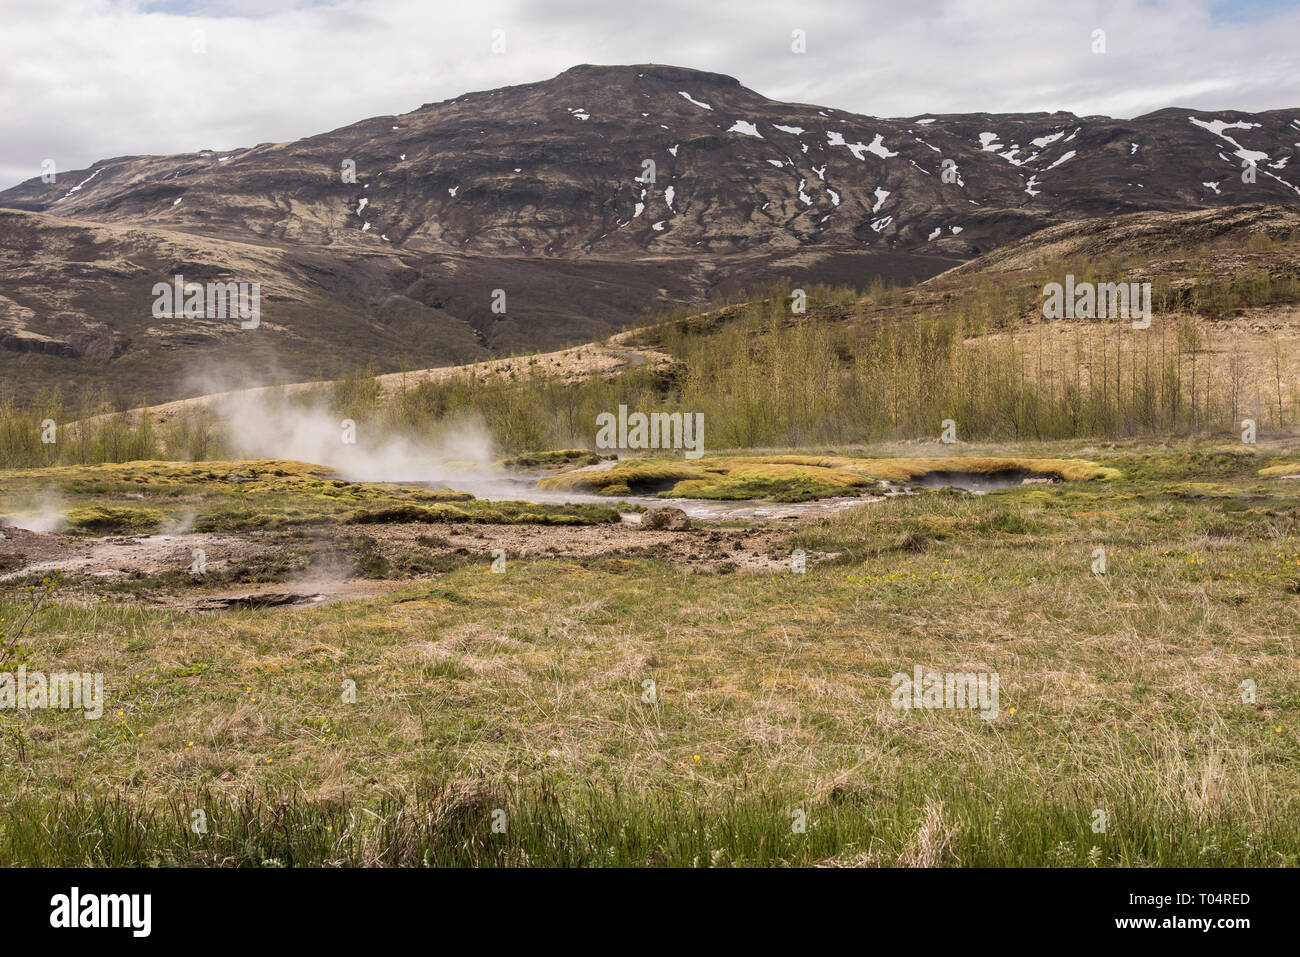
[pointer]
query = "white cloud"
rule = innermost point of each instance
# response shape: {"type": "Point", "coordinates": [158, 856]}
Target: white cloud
{"type": "Point", "coordinates": [82, 80]}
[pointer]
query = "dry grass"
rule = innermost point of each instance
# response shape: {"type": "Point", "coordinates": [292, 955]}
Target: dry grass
{"type": "Point", "coordinates": [1119, 692]}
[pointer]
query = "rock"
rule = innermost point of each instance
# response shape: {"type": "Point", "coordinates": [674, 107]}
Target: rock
{"type": "Point", "coordinates": [667, 517]}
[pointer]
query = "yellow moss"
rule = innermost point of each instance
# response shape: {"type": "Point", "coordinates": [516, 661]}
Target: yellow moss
{"type": "Point", "coordinates": [162, 471]}
{"type": "Point", "coordinates": [786, 470]}
{"type": "Point", "coordinates": [696, 479]}
{"type": "Point", "coordinates": [628, 474]}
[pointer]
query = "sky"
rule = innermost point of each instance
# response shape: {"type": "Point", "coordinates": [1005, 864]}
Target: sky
{"type": "Point", "coordinates": [83, 80]}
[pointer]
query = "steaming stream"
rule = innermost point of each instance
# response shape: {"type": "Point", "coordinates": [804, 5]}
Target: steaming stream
{"type": "Point", "coordinates": [523, 487]}
{"type": "Point", "coordinates": [459, 454]}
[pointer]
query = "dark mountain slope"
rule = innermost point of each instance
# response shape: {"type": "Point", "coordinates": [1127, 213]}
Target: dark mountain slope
{"type": "Point", "coordinates": [539, 190]}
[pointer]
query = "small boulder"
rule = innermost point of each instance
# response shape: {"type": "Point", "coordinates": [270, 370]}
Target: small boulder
{"type": "Point", "coordinates": [667, 517]}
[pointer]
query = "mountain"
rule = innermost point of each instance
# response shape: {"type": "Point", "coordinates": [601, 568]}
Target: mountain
{"type": "Point", "coordinates": [539, 191]}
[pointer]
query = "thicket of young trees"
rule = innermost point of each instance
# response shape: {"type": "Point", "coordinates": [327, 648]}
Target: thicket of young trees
{"type": "Point", "coordinates": [851, 370]}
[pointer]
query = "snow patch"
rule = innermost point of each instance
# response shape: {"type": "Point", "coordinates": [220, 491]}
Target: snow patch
{"type": "Point", "coordinates": [877, 146]}
{"type": "Point", "coordinates": [687, 96]}
{"type": "Point", "coordinates": [749, 129]}
{"type": "Point", "coordinates": [1217, 127]}
{"type": "Point", "coordinates": [796, 130]}
{"type": "Point", "coordinates": [83, 183]}
{"type": "Point", "coordinates": [1290, 186]}
{"type": "Point", "coordinates": [881, 196]}
{"type": "Point", "coordinates": [1068, 156]}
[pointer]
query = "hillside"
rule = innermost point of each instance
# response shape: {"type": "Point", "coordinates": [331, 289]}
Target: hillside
{"type": "Point", "coordinates": [1224, 342]}
{"type": "Point", "coordinates": [538, 190]}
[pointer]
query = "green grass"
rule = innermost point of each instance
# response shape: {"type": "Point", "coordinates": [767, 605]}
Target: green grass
{"type": "Point", "coordinates": [942, 820]}
{"type": "Point", "coordinates": [1119, 692]}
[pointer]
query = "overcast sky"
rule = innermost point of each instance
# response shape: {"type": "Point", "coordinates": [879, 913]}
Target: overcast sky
{"type": "Point", "coordinates": [82, 80]}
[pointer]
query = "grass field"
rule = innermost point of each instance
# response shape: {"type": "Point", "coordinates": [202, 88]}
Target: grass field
{"type": "Point", "coordinates": [524, 699]}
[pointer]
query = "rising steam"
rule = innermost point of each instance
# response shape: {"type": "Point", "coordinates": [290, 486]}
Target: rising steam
{"type": "Point", "coordinates": [258, 426]}
{"type": "Point", "coordinates": [273, 423]}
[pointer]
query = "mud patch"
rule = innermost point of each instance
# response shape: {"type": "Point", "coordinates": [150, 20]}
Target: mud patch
{"type": "Point", "coordinates": [270, 599]}
{"type": "Point", "coordinates": [316, 595]}
{"type": "Point", "coordinates": [290, 570]}
{"type": "Point", "coordinates": [116, 556]}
